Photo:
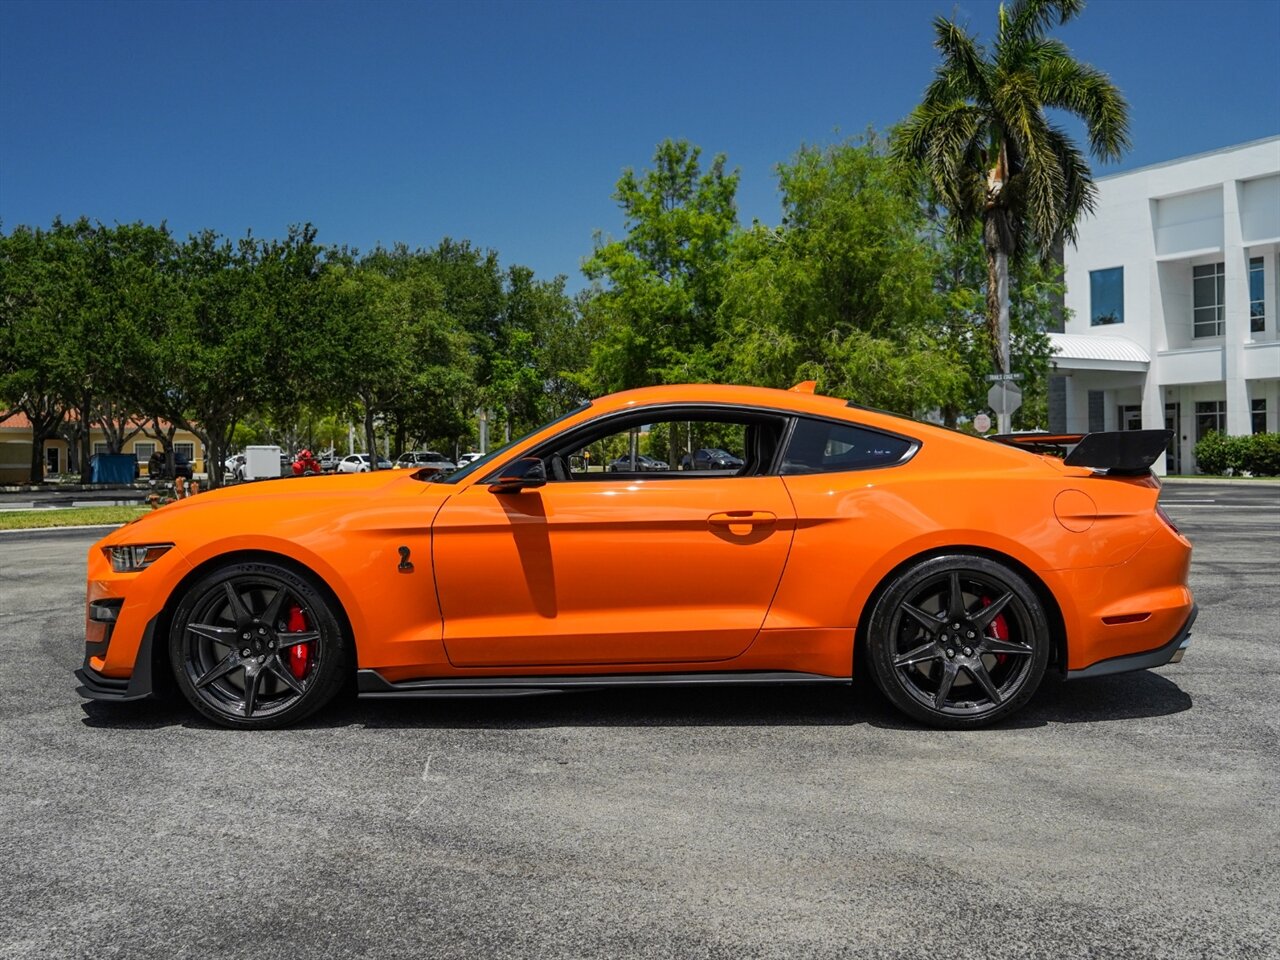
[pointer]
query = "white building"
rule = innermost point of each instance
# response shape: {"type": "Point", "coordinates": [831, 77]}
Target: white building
{"type": "Point", "coordinates": [1171, 291]}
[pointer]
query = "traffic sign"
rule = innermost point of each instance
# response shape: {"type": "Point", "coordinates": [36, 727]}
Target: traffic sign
{"type": "Point", "coordinates": [997, 377]}
{"type": "Point", "coordinates": [982, 423]}
{"type": "Point", "coordinates": [1004, 397]}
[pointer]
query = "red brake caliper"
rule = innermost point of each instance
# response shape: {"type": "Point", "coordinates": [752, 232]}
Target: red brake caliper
{"type": "Point", "coordinates": [299, 654]}
{"type": "Point", "coordinates": [999, 629]}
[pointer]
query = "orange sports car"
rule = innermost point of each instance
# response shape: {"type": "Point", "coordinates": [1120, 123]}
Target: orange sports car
{"type": "Point", "coordinates": [832, 538]}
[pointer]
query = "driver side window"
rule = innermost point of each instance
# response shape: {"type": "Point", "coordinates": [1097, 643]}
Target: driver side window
{"type": "Point", "coordinates": [667, 444]}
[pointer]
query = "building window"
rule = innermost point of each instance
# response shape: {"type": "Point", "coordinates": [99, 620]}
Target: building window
{"type": "Point", "coordinates": [1211, 417]}
{"type": "Point", "coordinates": [1097, 411]}
{"type": "Point", "coordinates": [1209, 287]}
{"type": "Point", "coordinates": [99, 449]}
{"type": "Point", "coordinates": [143, 451]}
{"type": "Point", "coordinates": [1257, 300]}
{"type": "Point", "coordinates": [1258, 411]}
{"type": "Point", "coordinates": [187, 450]}
{"type": "Point", "coordinates": [1106, 296]}
{"type": "Point", "coordinates": [1131, 417]}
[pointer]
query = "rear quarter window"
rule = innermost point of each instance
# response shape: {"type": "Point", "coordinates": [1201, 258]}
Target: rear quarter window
{"type": "Point", "coordinates": [822, 446]}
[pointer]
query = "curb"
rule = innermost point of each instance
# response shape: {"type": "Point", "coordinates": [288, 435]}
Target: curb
{"type": "Point", "coordinates": [1216, 481]}
{"type": "Point", "coordinates": [54, 533]}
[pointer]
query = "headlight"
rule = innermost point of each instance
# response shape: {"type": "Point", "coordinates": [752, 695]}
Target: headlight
{"type": "Point", "coordinates": [132, 559]}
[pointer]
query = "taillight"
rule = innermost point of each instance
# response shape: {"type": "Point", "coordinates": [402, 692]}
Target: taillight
{"type": "Point", "coordinates": [1167, 519]}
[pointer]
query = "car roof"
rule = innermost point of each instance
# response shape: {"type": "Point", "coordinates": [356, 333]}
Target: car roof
{"type": "Point", "coordinates": [788, 401]}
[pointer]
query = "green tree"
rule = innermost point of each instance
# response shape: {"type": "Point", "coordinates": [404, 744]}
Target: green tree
{"type": "Point", "coordinates": [30, 381]}
{"type": "Point", "coordinates": [843, 290]}
{"type": "Point", "coordinates": [661, 285]}
{"type": "Point", "coordinates": [990, 151]}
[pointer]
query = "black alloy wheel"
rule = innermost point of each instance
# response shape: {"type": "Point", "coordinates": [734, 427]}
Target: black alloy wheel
{"type": "Point", "coordinates": [959, 641]}
{"type": "Point", "coordinates": [256, 645]}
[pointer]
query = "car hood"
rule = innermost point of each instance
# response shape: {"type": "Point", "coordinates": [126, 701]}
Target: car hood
{"type": "Point", "coordinates": [281, 507]}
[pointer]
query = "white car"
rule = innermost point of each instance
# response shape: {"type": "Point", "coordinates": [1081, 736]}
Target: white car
{"type": "Point", "coordinates": [235, 466]}
{"type": "Point", "coordinates": [469, 458]}
{"type": "Point", "coordinates": [359, 463]}
{"type": "Point", "coordinates": [427, 460]}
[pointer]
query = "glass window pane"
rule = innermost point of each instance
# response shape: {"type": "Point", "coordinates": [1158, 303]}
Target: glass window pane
{"type": "Point", "coordinates": [1106, 296]}
{"type": "Point", "coordinates": [819, 446]}
{"type": "Point", "coordinates": [1204, 292]}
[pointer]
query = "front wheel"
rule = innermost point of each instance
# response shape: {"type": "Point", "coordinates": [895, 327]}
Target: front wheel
{"type": "Point", "coordinates": [257, 645]}
{"type": "Point", "coordinates": [958, 641]}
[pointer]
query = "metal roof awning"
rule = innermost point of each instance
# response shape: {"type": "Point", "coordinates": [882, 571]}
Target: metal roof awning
{"type": "Point", "coordinates": [1082, 351]}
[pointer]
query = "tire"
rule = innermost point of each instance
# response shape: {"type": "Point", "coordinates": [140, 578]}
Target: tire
{"type": "Point", "coordinates": [958, 641]}
{"type": "Point", "coordinates": [232, 646]}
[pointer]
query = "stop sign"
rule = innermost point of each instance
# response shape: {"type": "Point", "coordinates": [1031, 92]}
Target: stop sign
{"type": "Point", "coordinates": [982, 423]}
{"type": "Point", "coordinates": [1004, 397]}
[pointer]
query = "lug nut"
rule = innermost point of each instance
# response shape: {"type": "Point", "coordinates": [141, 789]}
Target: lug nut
{"type": "Point", "coordinates": [969, 634]}
{"type": "Point", "coordinates": [244, 653]}
{"type": "Point", "coordinates": [950, 652]}
{"type": "Point", "coordinates": [968, 651]}
{"type": "Point", "coordinates": [262, 659]}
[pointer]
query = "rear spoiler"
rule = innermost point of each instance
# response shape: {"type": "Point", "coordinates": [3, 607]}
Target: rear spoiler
{"type": "Point", "coordinates": [1119, 452]}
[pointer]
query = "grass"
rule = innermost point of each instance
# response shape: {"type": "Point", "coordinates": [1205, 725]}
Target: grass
{"type": "Point", "coordinates": [69, 517]}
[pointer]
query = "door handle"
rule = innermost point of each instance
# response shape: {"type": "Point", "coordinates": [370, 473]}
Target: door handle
{"type": "Point", "coordinates": [742, 521]}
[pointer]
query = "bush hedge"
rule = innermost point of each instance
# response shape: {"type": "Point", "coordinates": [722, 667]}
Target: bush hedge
{"type": "Point", "coordinates": [1257, 454]}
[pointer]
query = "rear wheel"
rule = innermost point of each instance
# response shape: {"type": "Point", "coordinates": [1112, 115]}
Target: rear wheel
{"type": "Point", "coordinates": [256, 645]}
{"type": "Point", "coordinates": [958, 641]}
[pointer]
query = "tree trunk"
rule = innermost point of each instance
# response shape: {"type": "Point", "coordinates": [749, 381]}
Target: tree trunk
{"type": "Point", "coordinates": [37, 457]}
{"type": "Point", "coordinates": [998, 314]}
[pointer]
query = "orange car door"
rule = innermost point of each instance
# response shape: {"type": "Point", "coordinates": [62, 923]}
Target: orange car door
{"type": "Point", "coordinates": [610, 571]}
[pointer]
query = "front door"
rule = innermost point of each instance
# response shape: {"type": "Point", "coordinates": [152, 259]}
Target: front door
{"type": "Point", "coordinates": [610, 571]}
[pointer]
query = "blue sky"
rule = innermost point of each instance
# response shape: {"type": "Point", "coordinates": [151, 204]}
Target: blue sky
{"type": "Point", "coordinates": [509, 123]}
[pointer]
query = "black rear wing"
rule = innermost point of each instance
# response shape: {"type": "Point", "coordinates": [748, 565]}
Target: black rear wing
{"type": "Point", "coordinates": [1125, 453]}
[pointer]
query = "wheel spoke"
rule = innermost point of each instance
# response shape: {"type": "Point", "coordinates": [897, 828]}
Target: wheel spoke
{"type": "Point", "coordinates": [982, 619]}
{"type": "Point", "coordinates": [250, 691]}
{"type": "Point", "coordinates": [949, 671]}
{"type": "Point", "coordinates": [978, 671]}
{"type": "Point", "coordinates": [955, 599]}
{"type": "Point", "coordinates": [238, 610]}
{"type": "Point", "coordinates": [926, 620]}
{"type": "Point", "coordinates": [282, 673]}
{"type": "Point", "coordinates": [921, 654]}
{"type": "Point", "coordinates": [286, 640]}
{"type": "Point", "coordinates": [271, 615]}
{"type": "Point", "coordinates": [991, 645]}
{"type": "Point", "coordinates": [211, 631]}
{"type": "Point", "coordinates": [224, 666]}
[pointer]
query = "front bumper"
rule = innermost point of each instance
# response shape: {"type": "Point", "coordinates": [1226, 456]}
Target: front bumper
{"type": "Point", "coordinates": [139, 684]}
{"type": "Point", "coordinates": [1170, 652]}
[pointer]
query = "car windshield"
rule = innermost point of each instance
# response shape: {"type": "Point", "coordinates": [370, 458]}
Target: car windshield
{"type": "Point", "coordinates": [483, 462]}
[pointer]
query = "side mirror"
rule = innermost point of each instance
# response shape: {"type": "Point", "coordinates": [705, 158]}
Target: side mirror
{"type": "Point", "coordinates": [525, 472]}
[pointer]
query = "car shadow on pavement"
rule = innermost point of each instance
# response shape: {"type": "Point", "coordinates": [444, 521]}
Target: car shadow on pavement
{"type": "Point", "coordinates": [1125, 697]}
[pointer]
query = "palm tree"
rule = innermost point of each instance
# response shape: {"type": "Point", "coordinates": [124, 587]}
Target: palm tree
{"type": "Point", "coordinates": [991, 155]}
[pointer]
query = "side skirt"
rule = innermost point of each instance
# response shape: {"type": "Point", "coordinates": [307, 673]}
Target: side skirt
{"type": "Point", "coordinates": [370, 684]}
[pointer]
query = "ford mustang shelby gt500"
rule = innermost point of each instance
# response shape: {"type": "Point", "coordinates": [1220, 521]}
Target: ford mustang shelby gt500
{"type": "Point", "coordinates": [955, 570]}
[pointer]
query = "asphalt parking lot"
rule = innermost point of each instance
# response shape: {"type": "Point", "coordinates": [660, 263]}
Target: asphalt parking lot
{"type": "Point", "coordinates": [1134, 816]}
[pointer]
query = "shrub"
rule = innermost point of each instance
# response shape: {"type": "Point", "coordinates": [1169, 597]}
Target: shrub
{"type": "Point", "coordinates": [1260, 454]}
{"type": "Point", "coordinates": [1257, 454]}
{"type": "Point", "coordinates": [1213, 453]}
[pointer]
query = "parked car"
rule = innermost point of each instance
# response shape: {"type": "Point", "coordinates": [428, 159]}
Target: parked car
{"type": "Point", "coordinates": [359, 463]}
{"type": "Point", "coordinates": [158, 467]}
{"type": "Point", "coordinates": [425, 460]}
{"type": "Point", "coordinates": [234, 466]}
{"type": "Point", "coordinates": [711, 458]}
{"type": "Point", "coordinates": [963, 568]}
{"type": "Point", "coordinates": [467, 458]}
{"type": "Point", "coordinates": [643, 464]}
